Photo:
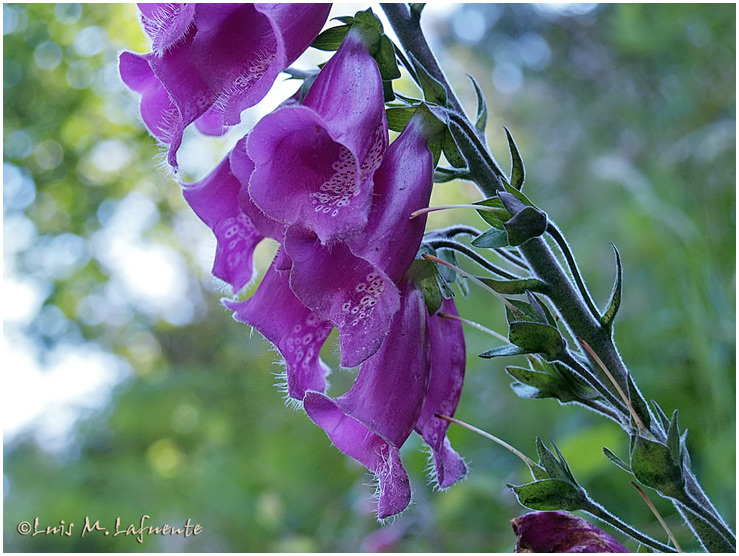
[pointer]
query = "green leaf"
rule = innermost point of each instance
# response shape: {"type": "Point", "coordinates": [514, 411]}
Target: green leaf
{"type": "Point", "coordinates": [661, 415]}
{"type": "Point", "coordinates": [638, 403]}
{"type": "Point", "coordinates": [386, 61]}
{"type": "Point", "coordinates": [543, 385]}
{"type": "Point", "coordinates": [451, 151]}
{"type": "Point", "coordinates": [673, 437]}
{"type": "Point", "coordinates": [433, 89]}
{"type": "Point", "coordinates": [481, 119]}
{"type": "Point", "coordinates": [617, 460]}
{"type": "Point", "coordinates": [523, 312]}
{"type": "Point", "coordinates": [496, 217]}
{"type": "Point", "coordinates": [653, 465]}
{"type": "Point", "coordinates": [518, 172]}
{"type": "Point", "coordinates": [503, 351]}
{"type": "Point", "coordinates": [398, 116]}
{"type": "Point", "coordinates": [331, 39]}
{"type": "Point", "coordinates": [515, 287]}
{"type": "Point", "coordinates": [536, 337]}
{"type": "Point", "coordinates": [554, 466]}
{"type": "Point", "coordinates": [368, 18]}
{"type": "Point", "coordinates": [424, 273]}
{"type": "Point", "coordinates": [387, 91]}
{"type": "Point", "coordinates": [549, 494]}
{"type": "Point", "coordinates": [614, 303]}
{"type": "Point", "coordinates": [491, 239]}
{"type": "Point", "coordinates": [444, 175]}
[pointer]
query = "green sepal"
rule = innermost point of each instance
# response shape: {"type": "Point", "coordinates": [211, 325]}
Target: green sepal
{"type": "Point", "coordinates": [451, 151]}
{"type": "Point", "coordinates": [516, 287]}
{"type": "Point", "coordinates": [526, 224]}
{"type": "Point", "coordinates": [481, 118]}
{"type": "Point", "coordinates": [518, 172]}
{"type": "Point", "coordinates": [433, 89]}
{"type": "Point", "coordinates": [495, 217]}
{"type": "Point", "coordinates": [614, 303]}
{"type": "Point", "coordinates": [653, 465]}
{"type": "Point", "coordinates": [445, 175]}
{"type": "Point", "coordinates": [503, 351]}
{"type": "Point", "coordinates": [386, 61]}
{"type": "Point", "coordinates": [387, 91]}
{"type": "Point", "coordinates": [638, 403]}
{"type": "Point", "coordinates": [673, 437]}
{"type": "Point", "coordinates": [367, 17]}
{"type": "Point", "coordinates": [447, 276]}
{"type": "Point", "coordinates": [398, 116]}
{"type": "Point", "coordinates": [492, 238]}
{"type": "Point", "coordinates": [521, 311]}
{"type": "Point", "coordinates": [331, 39]}
{"type": "Point", "coordinates": [541, 310]}
{"type": "Point", "coordinates": [684, 449]}
{"type": "Point", "coordinates": [348, 19]}
{"type": "Point", "coordinates": [549, 494]}
{"type": "Point", "coordinates": [536, 337]}
{"type": "Point", "coordinates": [664, 420]}
{"type": "Point", "coordinates": [617, 460]}
{"type": "Point", "coordinates": [424, 275]}
{"type": "Point", "coordinates": [556, 467]}
{"type": "Point", "coordinates": [535, 384]}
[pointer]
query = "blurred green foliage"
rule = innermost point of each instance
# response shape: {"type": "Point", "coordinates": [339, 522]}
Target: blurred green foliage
{"type": "Point", "coordinates": [625, 117]}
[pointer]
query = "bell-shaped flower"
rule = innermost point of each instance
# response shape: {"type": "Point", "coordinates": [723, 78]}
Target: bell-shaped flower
{"type": "Point", "coordinates": [295, 330]}
{"type": "Point", "coordinates": [361, 297]}
{"type": "Point", "coordinates": [212, 61]}
{"type": "Point", "coordinates": [314, 162]}
{"type": "Point", "coordinates": [375, 417]}
{"type": "Point", "coordinates": [445, 388]}
{"type": "Point", "coordinates": [215, 199]}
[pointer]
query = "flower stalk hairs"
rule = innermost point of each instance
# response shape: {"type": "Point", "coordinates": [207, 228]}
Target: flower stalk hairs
{"type": "Point", "coordinates": [321, 177]}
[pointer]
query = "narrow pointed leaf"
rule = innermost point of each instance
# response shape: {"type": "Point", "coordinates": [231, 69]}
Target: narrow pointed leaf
{"type": "Point", "coordinates": [518, 173]}
{"type": "Point", "coordinates": [640, 406]}
{"type": "Point", "coordinates": [491, 239]}
{"type": "Point", "coordinates": [617, 460]}
{"type": "Point", "coordinates": [515, 287]}
{"type": "Point", "coordinates": [615, 301]}
{"type": "Point", "coordinates": [433, 89]}
{"type": "Point", "coordinates": [444, 175]}
{"type": "Point", "coordinates": [503, 351]}
{"type": "Point", "coordinates": [673, 437]}
{"type": "Point", "coordinates": [481, 119]}
{"type": "Point", "coordinates": [564, 464]}
{"type": "Point", "coordinates": [451, 151]}
{"type": "Point", "coordinates": [544, 384]}
{"type": "Point", "coordinates": [495, 217]}
{"type": "Point", "coordinates": [663, 418]}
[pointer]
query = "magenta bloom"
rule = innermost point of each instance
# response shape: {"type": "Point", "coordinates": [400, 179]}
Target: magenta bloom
{"type": "Point", "coordinates": [561, 532]}
{"type": "Point", "coordinates": [314, 162]}
{"type": "Point", "coordinates": [372, 421]}
{"type": "Point", "coordinates": [361, 297]}
{"type": "Point", "coordinates": [211, 61]}
{"type": "Point", "coordinates": [417, 372]}
{"type": "Point", "coordinates": [295, 330]}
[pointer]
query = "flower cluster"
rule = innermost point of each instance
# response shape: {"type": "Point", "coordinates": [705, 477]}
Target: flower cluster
{"type": "Point", "coordinates": [321, 179]}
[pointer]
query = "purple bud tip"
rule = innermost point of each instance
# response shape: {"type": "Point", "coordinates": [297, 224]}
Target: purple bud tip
{"type": "Point", "coordinates": [561, 532]}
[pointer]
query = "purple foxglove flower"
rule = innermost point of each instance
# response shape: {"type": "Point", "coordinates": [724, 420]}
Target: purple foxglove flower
{"type": "Point", "coordinates": [561, 532]}
{"type": "Point", "coordinates": [293, 328]}
{"type": "Point", "coordinates": [445, 388]}
{"type": "Point", "coordinates": [212, 61]}
{"type": "Point", "coordinates": [352, 293]}
{"type": "Point", "coordinates": [374, 418]}
{"type": "Point", "coordinates": [215, 199]}
{"type": "Point", "coordinates": [314, 162]}
{"type": "Point", "coordinates": [361, 297]}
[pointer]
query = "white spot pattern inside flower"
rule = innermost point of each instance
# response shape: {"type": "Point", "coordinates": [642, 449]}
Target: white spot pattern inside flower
{"type": "Point", "coordinates": [338, 190]}
{"type": "Point", "coordinates": [237, 234]}
{"type": "Point", "coordinates": [303, 343]}
{"type": "Point", "coordinates": [363, 300]}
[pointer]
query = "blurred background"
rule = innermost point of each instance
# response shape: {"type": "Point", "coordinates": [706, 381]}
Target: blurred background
{"type": "Point", "coordinates": [128, 389]}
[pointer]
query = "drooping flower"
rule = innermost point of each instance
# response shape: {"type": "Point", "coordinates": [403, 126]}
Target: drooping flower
{"type": "Point", "coordinates": [211, 61]}
{"type": "Point", "coordinates": [314, 162]}
{"type": "Point", "coordinates": [361, 297]}
{"type": "Point", "coordinates": [375, 417]}
{"type": "Point", "coordinates": [561, 532]}
{"type": "Point", "coordinates": [295, 330]}
{"type": "Point", "coordinates": [447, 346]}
